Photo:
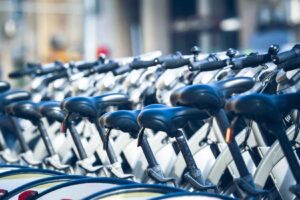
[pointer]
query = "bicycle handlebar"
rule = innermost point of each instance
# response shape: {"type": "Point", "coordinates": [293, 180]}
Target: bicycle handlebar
{"type": "Point", "coordinates": [139, 64]}
{"type": "Point", "coordinates": [87, 65]}
{"type": "Point", "coordinates": [287, 55]}
{"type": "Point", "coordinates": [173, 63]}
{"type": "Point", "coordinates": [207, 66]}
{"type": "Point", "coordinates": [290, 64]}
{"type": "Point", "coordinates": [250, 61]}
{"type": "Point", "coordinates": [121, 70]}
{"type": "Point", "coordinates": [19, 74]}
{"type": "Point", "coordinates": [48, 80]}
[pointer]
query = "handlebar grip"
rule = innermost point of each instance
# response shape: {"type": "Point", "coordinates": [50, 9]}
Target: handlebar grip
{"type": "Point", "coordinates": [19, 74]}
{"type": "Point", "coordinates": [175, 63]}
{"type": "Point", "coordinates": [255, 60]}
{"type": "Point", "coordinates": [250, 61]}
{"type": "Point", "coordinates": [165, 58]}
{"type": "Point", "coordinates": [87, 65]}
{"type": "Point", "coordinates": [107, 67]}
{"type": "Point", "coordinates": [16, 74]}
{"type": "Point", "coordinates": [208, 66]}
{"type": "Point", "coordinates": [284, 56]}
{"type": "Point", "coordinates": [290, 64]}
{"type": "Point", "coordinates": [121, 70]}
{"type": "Point", "coordinates": [64, 74]}
{"type": "Point", "coordinates": [139, 64]}
{"type": "Point", "coordinates": [49, 68]}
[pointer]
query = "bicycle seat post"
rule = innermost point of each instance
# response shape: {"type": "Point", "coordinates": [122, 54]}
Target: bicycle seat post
{"type": "Point", "coordinates": [45, 138]}
{"type": "Point", "coordinates": [154, 170]}
{"type": "Point", "coordinates": [188, 157]}
{"type": "Point", "coordinates": [223, 123]}
{"type": "Point", "coordinates": [109, 149]}
{"type": "Point", "coordinates": [76, 140]}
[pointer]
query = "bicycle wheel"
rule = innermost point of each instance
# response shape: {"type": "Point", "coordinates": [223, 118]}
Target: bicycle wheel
{"type": "Point", "coordinates": [78, 189]}
{"type": "Point", "coordinates": [140, 191]}
{"type": "Point", "coordinates": [41, 185]}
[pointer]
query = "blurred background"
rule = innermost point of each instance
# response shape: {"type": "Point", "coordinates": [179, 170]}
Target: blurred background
{"type": "Point", "coordinates": [48, 30]}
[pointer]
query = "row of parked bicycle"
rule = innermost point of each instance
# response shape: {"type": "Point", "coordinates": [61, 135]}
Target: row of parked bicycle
{"type": "Point", "coordinates": [206, 126]}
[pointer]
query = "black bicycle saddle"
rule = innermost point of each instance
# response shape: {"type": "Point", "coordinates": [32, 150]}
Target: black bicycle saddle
{"type": "Point", "coordinates": [13, 96]}
{"type": "Point", "coordinates": [91, 107]}
{"type": "Point", "coordinates": [25, 110]}
{"type": "Point", "coordinates": [4, 86]}
{"type": "Point", "coordinates": [52, 111]}
{"type": "Point", "coordinates": [263, 107]}
{"type": "Point", "coordinates": [210, 96]}
{"type": "Point", "coordinates": [124, 120]}
{"type": "Point", "coordinates": [169, 119]}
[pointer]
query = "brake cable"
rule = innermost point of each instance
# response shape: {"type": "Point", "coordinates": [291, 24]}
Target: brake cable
{"type": "Point", "coordinates": [105, 143]}
{"type": "Point", "coordinates": [244, 144]}
{"type": "Point", "coordinates": [206, 140]}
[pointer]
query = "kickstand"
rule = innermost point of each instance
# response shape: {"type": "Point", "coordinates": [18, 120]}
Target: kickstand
{"type": "Point", "coordinates": [198, 186]}
{"type": "Point", "coordinates": [159, 178]}
{"type": "Point", "coordinates": [249, 189]}
{"type": "Point", "coordinates": [295, 189]}
{"type": "Point", "coordinates": [116, 173]}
